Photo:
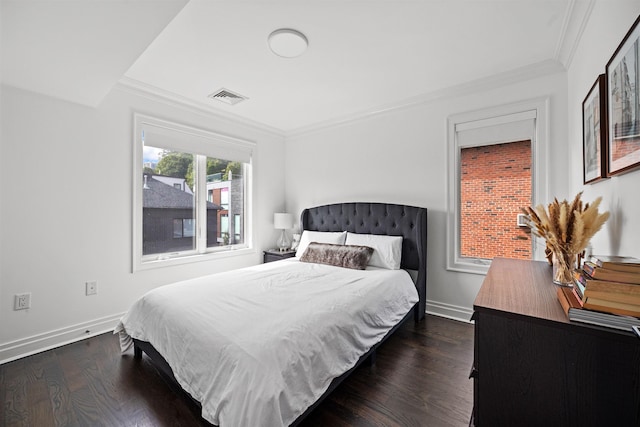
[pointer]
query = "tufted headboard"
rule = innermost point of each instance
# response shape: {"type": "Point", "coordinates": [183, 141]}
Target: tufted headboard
{"type": "Point", "coordinates": [410, 222]}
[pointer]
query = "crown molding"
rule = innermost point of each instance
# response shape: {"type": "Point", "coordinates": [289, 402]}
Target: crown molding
{"type": "Point", "coordinates": [156, 94]}
{"type": "Point", "coordinates": [575, 20]}
{"type": "Point", "coordinates": [495, 81]}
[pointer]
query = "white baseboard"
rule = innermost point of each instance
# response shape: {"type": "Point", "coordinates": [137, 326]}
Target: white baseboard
{"type": "Point", "coordinates": [37, 343]}
{"type": "Point", "coordinates": [449, 311]}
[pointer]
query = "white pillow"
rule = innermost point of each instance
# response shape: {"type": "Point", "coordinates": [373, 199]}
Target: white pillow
{"type": "Point", "coordinates": [336, 238]}
{"type": "Point", "coordinates": [387, 250]}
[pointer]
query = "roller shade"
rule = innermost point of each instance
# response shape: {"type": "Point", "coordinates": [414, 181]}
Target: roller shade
{"type": "Point", "coordinates": [497, 130]}
{"type": "Point", "coordinates": [158, 133]}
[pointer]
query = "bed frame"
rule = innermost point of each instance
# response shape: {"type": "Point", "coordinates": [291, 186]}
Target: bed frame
{"type": "Point", "coordinates": [410, 222]}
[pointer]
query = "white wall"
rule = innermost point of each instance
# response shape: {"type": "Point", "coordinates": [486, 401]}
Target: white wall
{"type": "Point", "coordinates": [65, 192]}
{"type": "Point", "coordinates": [65, 186]}
{"type": "Point", "coordinates": [2, 302]}
{"type": "Point", "coordinates": [606, 28]}
{"type": "Point", "coordinates": [400, 157]}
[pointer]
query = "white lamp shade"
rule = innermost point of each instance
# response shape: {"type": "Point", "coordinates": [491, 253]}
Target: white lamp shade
{"type": "Point", "coordinates": [283, 221]}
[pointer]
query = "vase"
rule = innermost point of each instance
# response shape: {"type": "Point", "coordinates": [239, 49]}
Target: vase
{"type": "Point", "coordinates": [563, 265]}
{"type": "Point", "coordinates": [296, 241]}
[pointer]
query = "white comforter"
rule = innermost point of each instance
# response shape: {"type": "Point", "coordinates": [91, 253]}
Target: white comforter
{"type": "Point", "coordinates": [258, 346]}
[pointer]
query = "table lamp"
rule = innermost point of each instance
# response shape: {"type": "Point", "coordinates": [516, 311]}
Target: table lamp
{"type": "Point", "coordinates": [283, 221]}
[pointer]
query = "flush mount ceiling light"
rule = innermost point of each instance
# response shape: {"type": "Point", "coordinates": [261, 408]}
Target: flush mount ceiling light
{"type": "Point", "coordinates": [288, 43]}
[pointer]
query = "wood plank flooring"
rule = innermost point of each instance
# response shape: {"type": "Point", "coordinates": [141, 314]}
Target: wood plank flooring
{"type": "Point", "coordinates": [420, 379]}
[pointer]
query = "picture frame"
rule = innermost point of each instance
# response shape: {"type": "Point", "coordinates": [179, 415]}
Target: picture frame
{"type": "Point", "coordinates": [594, 132]}
{"type": "Point", "coordinates": [623, 102]}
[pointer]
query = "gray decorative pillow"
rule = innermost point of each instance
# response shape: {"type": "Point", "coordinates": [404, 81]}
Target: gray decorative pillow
{"type": "Point", "coordinates": [349, 256]}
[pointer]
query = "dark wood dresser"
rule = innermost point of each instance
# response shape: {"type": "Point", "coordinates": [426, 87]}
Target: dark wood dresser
{"type": "Point", "coordinates": [533, 367]}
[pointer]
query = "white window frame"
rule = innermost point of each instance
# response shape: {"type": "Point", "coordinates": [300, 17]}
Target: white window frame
{"type": "Point", "coordinates": [165, 134]}
{"type": "Point", "coordinates": [483, 123]}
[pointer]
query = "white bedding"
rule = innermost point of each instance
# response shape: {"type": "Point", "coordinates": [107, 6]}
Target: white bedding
{"type": "Point", "coordinates": [258, 346]}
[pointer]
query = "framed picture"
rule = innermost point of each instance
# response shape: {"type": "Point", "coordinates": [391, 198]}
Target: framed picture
{"type": "Point", "coordinates": [594, 132]}
{"type": "Point", "coordinates": [623, 101]}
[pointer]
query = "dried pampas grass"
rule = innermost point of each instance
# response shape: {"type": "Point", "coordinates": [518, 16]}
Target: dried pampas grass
{"type": "Point", "coordinates": [567, 227]}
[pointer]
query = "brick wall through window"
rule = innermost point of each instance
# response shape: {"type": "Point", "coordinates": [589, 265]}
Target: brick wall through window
{"type": "Point", "coordinates": [495, 184]}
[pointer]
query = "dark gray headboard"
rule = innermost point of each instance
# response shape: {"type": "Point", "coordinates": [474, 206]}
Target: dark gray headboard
{"type": "Point", "coordinates": [410, 222]}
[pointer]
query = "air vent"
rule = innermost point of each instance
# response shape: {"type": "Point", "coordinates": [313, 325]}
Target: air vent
{"type": "Point", "coordinates": [227, 96]}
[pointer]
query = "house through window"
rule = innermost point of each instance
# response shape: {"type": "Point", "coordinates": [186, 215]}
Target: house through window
{"type": "Point", "coordinates": [495, 183]}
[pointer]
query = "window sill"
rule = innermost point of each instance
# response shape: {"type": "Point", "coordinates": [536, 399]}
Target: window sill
{"type": "Point", "coordinates": [189, 259]}
{"type": "Point", "coordinates": [480, 267]}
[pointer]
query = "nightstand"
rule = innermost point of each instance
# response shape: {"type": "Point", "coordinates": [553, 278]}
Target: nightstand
{"type": "Point", "coordinates": [277, 255]}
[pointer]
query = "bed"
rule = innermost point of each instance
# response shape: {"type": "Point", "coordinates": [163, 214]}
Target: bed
{"type": "Point", "coordinates": [270, 342]}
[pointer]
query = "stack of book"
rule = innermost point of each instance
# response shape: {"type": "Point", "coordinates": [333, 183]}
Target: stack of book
{"type": "Point", "coordinates": [606, 292]}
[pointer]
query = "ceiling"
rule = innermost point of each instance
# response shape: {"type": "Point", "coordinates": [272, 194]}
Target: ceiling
{"type": "Point", "coordinates": [363, 56]}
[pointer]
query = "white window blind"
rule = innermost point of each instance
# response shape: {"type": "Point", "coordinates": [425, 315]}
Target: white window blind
{"type": "Point", "coordinates": [496, 130]}
{"type": "Point", "coordinates": [158, 133]}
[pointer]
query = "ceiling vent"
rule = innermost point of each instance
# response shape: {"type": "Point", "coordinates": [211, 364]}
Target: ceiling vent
{"type": "Point", "coordinates": [227, 96]}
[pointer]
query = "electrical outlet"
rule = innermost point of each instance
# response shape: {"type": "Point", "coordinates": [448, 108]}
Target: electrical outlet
{"type": "Point", "coordinates": [22, 301]}
{"type": "Point", "coordinates": [91, 288]}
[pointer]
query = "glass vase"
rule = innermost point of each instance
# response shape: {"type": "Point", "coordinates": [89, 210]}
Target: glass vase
{"type": "Point", "coordinates": [563, 265]}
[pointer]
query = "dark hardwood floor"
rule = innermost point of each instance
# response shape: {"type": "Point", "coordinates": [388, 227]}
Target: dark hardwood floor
{"type": "Point", "coordinates": [420, 379]}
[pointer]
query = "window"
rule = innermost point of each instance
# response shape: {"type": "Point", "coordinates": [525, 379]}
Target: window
{"type": "Point", "coordinates": [495, 183]}
{"type": "Point", "coordinates": [497, 165]}
{"type": "Point", "coordinates": [224, 197]}
{"type": "Point", "coordinates": [179, 172]}
{"type": "Point", "coordinates": [237, 226]}
{"type": "Point", "coordinates": [224, 228]}
{"type": "Point", "coordinates": [183, 228]}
